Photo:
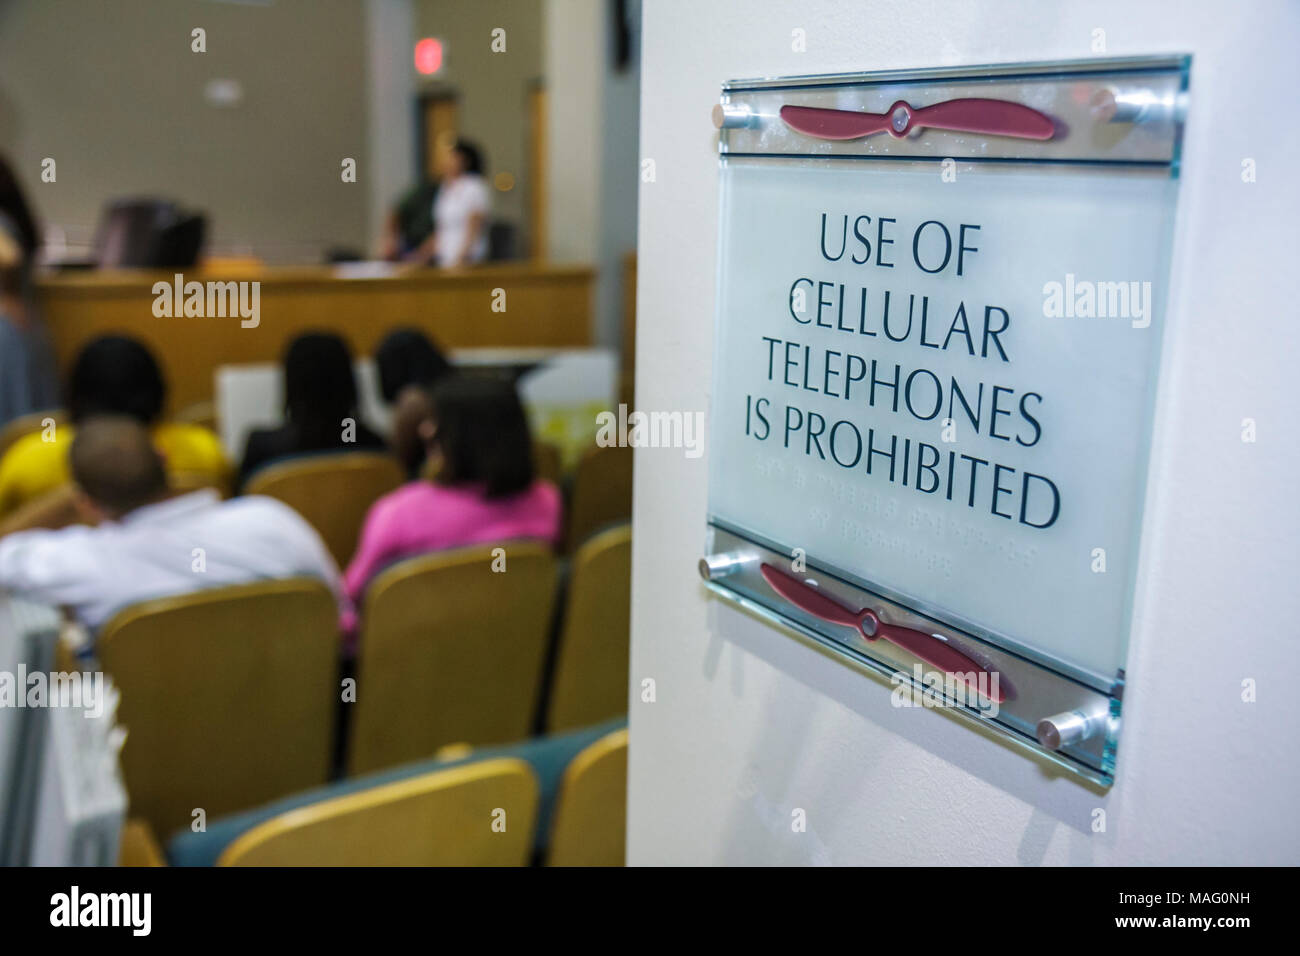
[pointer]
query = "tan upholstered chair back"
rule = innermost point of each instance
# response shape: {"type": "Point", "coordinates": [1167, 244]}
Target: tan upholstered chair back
{"type": "Point", "coordinates": [602, 492]}
{"type": "Point", "coordinates": [451, 651]}
{"type": "Point", "coordinates": [441, 818]}
{"type": "Point", "coordinates": [333, 492]}
{"type": "Point", "coordinates": [228, 697]}
{"type": "Point", "coordinates": [589, 827]}
{"type": "Point", "coordinates": [590, 682]}
{"type": "Point", "coordinates": [548, 462]}
{"type": "Point", "coordinates": [25, 425]}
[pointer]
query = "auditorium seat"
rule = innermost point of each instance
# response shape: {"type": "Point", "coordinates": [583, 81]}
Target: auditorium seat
{"type": "Point", "coordinates": [590, 678]}
{"type": "Point", "coordinates": [479, 814]}
{"type": "Point", "coordinates": [451, 651]}
{"type": "Point", "coordinates": [139, 846]}
{"type": "Point", "coordinates": [203, 414]}
{"type": "Point", "coordinates": [548, 461]}
{"type": "Point", "coordinates": [547, 756]}
{"type": "Point", "coordinates": [25, 425]}
{"type": "Point", "coordinates": [332, 491]}
{"type": "Point", "coordinates": [187, 481]}
{"type": "Point", "coordinates": [602, 492]}
{"type": "Point", "coordinates": [228, 697]}
{"type": "Point", "coordinates": [590, 823]}
{"type": "Point", "coordinates": [51, 510]}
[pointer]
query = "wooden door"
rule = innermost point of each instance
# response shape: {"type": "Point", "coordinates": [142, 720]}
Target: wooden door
{"type": "Point", "coordinates": [438, 119]}
{"type": "Point", "coordinates": [537, 171]}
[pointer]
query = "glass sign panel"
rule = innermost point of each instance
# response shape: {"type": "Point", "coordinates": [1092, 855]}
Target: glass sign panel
{"type": "Point", "coordinates": [940, 312]}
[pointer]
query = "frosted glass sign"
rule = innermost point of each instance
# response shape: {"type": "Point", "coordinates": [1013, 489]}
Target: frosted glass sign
{"type": "Point", "coordinates": [940, 312]}
{"type": "Point", "coordinates": [945, 386]}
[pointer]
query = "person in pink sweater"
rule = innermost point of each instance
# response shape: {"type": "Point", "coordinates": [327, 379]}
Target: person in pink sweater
{"type": "Point", "coordinates": [482, 487]}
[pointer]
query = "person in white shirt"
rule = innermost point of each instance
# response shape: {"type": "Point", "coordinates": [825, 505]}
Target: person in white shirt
{"type": "Point", "coordinates": [150, 544]}
{"type": "Point", "coordinates": [460, 211]}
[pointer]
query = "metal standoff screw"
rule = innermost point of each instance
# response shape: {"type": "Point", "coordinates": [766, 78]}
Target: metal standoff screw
{"type": "Point", "coordinates": [1132, 105]}
{"type": "Point", "coordinates": [714, 566]}
{"type": "Point", "coordinates": [727, 116]}
{"type": "Point", "coordinates": [1071, 727]}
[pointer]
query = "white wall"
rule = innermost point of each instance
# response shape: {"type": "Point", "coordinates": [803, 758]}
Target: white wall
{"type": "Point", "coordinates": [573, 31]}
{"type": "Point", "coordinates": [749, 723]}
{"type": "Point", "coordinates": [591, 161]}
{"type": "Point", "coordinates": [114, 93]}
{"type": "Point", "coordinates": [621, 112]}
{"type": "Point", "coordinates": [390, 41]}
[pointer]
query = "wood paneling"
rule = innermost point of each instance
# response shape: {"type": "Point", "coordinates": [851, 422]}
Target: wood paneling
{"type": "Point", "coordinates": [545, 306]}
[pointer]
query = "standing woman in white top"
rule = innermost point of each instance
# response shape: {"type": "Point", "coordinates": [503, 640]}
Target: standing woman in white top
{"type": "Point", "coordinates": [460, 212]}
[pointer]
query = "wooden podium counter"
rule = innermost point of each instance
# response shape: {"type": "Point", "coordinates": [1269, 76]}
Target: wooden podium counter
{"type": "Point", "coordinates": [545, 305]}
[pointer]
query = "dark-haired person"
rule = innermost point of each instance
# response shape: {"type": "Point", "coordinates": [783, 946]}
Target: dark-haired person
{"type": "Point", "coordinates": [410, 224]}
{"type": "Point", "coordinates": [143, 546]}
{"type": "Point", "coordinates": [460, 213]}
{"type": "Point", "coordinates": [113, 375]}
{"type": "Point", "coordinates": [409, 366]}
{"type": "Point", "coordinates": [482, 487]}
{"type": "Point", "coordinates": [27, 378]}
{"type": "Point", "coordinates": [320, 407]}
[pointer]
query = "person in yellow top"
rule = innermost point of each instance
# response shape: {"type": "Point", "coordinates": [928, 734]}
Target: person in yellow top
{"type": "Point", "coordinates": [112, 375]}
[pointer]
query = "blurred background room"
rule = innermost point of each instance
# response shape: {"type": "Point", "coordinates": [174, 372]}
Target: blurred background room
{"type": "Point", "coordinates": [308, 311]}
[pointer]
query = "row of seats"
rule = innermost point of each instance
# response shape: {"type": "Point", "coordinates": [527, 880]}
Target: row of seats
{"type": "Point", "coordinates": [559, 799]}
{"type": "Point", "coordinates": [230, 695]}
{"type": "Point", "coordinates": [334, 491]}
{"type": "Point", "coordinates": [243, 709]}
